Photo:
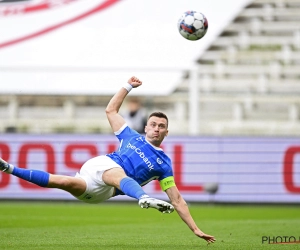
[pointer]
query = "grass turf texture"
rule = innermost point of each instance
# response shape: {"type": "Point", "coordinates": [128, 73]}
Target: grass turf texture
{"type": "Point", "coordinates": [126, 226]}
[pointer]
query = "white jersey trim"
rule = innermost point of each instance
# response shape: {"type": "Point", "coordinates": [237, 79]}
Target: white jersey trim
{"type": "Point", "coordinates": [121, 129]}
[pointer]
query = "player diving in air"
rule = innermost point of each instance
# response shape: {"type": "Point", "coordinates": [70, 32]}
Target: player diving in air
{"type": "Point", "coordinates": [137, 161]}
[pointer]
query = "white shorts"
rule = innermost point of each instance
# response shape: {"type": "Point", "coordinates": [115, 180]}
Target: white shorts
{"type": "Point", "coordinates": [91, 171]}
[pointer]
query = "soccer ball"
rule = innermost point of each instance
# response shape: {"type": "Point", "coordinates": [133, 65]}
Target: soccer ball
{"type": "Point", "coordinates": [192, 25]}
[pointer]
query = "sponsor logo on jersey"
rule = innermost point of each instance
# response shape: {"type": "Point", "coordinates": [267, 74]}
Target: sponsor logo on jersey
{"type": "Point", "coordinates": [142, 155]}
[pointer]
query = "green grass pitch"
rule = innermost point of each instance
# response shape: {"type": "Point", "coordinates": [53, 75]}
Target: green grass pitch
{"type": "Point", "coordinates": [74, 225]}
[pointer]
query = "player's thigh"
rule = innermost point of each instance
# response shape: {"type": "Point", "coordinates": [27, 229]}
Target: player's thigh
{"type": "Point", "coordinates": [74, 185]}
{"type": "Point", "coordinates": [113, 177]}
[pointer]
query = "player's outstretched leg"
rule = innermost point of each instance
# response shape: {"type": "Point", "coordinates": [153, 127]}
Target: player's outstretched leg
{"type": "Point", "coordinates": [37, 177]}
{"type": "Point", "coordinates": [160, 205]}
{"type": "Point", "coordinates": [73, 185]}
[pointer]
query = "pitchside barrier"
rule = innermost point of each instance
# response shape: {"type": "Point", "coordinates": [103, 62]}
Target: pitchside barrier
{"type": "Point", "coordinates": [207, 169]}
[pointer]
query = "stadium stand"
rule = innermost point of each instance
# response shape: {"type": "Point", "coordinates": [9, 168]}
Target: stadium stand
{"type": "Point", "coordinates": [248, 83]}
{"type": "Point", "coordinates": [249, 78]}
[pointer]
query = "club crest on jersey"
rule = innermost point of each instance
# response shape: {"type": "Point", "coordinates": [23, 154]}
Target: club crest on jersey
{"type": "Point", "coordinates": [159, 161]}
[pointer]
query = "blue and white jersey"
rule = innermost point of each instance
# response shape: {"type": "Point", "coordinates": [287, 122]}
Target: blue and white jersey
{"type": "Point", "coordinates": [140, 160]}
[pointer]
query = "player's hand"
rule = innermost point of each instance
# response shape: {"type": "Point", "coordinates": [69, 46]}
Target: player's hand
{"type": "Point", "coordinates": [134, 82]}
{"type": "Point", "coordinates": [207, 237]}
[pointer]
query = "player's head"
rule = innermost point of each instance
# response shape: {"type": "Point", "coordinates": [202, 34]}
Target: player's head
{"type": "Point", "coordinates": [159, 115]}
{"type": "Point", "coordinates": [156, 128]}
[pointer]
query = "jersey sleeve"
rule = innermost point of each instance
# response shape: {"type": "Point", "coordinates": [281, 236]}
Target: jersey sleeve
{"type": "Point", "coordinates": [125, 132]}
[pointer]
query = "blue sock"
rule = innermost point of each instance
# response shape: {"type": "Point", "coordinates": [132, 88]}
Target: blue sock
{"type": "Point", "coordinates": [37, 177]}
{"type": "Point", "coordinates": [131, 188]}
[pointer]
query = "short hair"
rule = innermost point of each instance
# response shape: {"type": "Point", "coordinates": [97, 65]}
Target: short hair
{"type": "Point", "coordinates": [160, 115]}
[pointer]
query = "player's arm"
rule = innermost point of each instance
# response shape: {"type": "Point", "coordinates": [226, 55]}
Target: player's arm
{"type": "Point", "coordinates": [183, 211]}
{"type": "Point", "coordinates": [112, 110]}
